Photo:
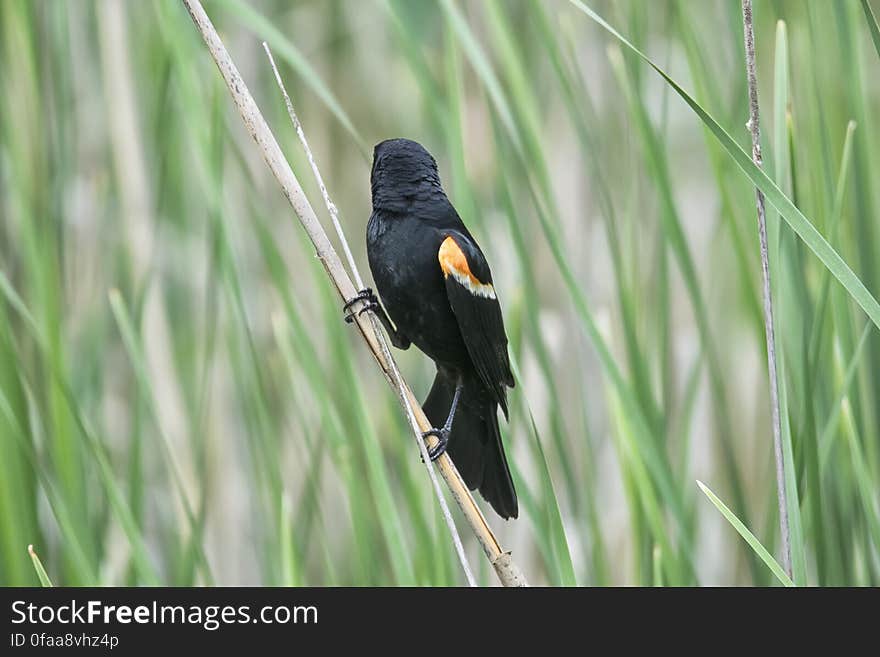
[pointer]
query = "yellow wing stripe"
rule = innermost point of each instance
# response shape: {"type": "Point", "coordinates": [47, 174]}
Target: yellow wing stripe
{"type": "Point", "coordinates": [454, 263]}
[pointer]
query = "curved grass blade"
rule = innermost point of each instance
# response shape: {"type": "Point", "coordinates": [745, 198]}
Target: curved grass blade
{"type": "Point", "coordinates": [826, 440]}
{"type": "Point", "coordinates": [554, 527]}
{"type": "Point", "coordinates": [38, 566]}
{"type": "Point", "coordinates": [872, 25]}
{"type": "Point", "coordinates": [749, 537]}
{"type": "Point", "coordinates": [558, 539]}
{"type": "Point", "coordinates": [816, 338]}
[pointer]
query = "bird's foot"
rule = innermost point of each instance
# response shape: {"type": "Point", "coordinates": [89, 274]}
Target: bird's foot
{"type": "Point", "coordinates": [370, 302]}
{"type": "Point", "coordinates": [442, 442]}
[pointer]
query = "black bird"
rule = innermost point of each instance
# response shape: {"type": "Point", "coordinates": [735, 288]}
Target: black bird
{"type": "Point", "coordinates": [437, 288]}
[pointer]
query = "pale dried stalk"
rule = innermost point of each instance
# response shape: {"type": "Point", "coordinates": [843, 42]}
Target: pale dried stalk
{"type": "Point", "coordinates": [754, 127]}
{"type": "Point", "coordinates": [505, 568]}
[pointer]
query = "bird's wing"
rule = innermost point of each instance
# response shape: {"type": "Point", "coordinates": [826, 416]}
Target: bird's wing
{"type": "Point", "coordinates": [473, 300]}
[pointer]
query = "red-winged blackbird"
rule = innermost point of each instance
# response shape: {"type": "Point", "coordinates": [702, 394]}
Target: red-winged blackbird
{"type": "Point", "coordinates": [437, 288]}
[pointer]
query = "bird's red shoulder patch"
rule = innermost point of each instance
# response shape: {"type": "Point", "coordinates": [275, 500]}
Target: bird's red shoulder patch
{"type": "Point", "coordinates": [454, 263]}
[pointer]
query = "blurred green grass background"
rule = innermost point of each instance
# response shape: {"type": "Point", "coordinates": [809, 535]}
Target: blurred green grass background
{"type": "Point", "coordinates": [181, 403]}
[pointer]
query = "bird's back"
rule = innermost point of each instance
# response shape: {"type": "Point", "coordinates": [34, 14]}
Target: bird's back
{"type": "Point", "coordinates": [402, 252]}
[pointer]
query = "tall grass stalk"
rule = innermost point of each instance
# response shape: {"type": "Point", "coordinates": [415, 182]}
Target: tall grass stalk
{"type": "Point", "coordinates": [767, 294]}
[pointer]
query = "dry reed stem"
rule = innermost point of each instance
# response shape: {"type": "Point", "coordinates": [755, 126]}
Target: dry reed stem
{"type": "Point", "coordinates": [754, 127]}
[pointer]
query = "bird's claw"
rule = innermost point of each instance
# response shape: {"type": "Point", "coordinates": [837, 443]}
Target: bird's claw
{"type": "Point", "coordinates": [370, 302]}
{"type": "Point", "coordinates": [442, 442]}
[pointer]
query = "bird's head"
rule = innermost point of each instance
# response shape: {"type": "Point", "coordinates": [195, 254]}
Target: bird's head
{"type": "Point", "coordinates": [403, 174]}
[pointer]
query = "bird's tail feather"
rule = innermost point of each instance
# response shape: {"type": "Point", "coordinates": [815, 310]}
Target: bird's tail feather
{"type": "Point", "coordinates": [475, 442]}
